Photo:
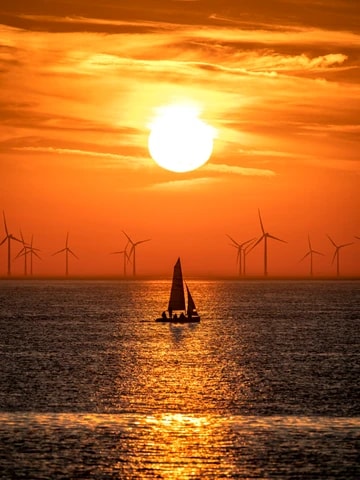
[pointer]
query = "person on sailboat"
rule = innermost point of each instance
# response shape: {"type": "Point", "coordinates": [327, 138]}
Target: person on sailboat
{"type": "Point", "coordinates": [182, 316]}
{"type": "Point", "coordinates": [164, 315]}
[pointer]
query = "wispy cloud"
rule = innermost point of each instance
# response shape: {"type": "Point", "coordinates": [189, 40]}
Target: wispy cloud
{"type": "Point", "coordinates": [123, 161]}
{"type": "Point", "coordinates": [237, 170]}
{"type": "Point", "coordinates": [183, 184]}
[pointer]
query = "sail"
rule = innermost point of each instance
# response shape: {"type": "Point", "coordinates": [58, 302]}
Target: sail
{"type": "Point", "coordinates": [191, 304]}
{"type": "Point", "coordinates": [177, 296]}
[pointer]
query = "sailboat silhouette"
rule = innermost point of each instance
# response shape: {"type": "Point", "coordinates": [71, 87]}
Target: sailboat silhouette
{"type": "Point", "coordinates": [177, 302]}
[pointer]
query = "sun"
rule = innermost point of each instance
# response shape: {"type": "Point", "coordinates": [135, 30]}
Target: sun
{"type": "Point", "coordinates": [179, 140]}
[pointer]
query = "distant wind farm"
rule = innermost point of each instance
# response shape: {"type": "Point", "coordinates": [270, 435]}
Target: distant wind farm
{"type": "Point", "coordinates": [128, 266]}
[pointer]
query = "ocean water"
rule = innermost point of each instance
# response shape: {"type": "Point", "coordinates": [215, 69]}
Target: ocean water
{"type": "Point", "coordinates": [266, 386]}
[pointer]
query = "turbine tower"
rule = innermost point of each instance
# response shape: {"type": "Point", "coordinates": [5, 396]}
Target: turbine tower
{"type": "Point", "coordinates": [9, 237]}
{"type": "Point", "coordinates": [67, 250]}
{"type": "Point", "coordinates": [310, 253]}
{"type": "Point", "coordinates": [337, 254]}
{"type": "Point", "coordinates": [240, 258]}
{"type": "Point", "coordinates": [264, 237]}
{"type": "Point", "coordinates": [133, 250]}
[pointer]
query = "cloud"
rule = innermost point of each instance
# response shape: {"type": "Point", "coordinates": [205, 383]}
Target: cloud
{"type": "Point", "coordinates": [236, 170]}
{"type": "Point", "coordinates": [117, 161]}
{"type": "Point", "coordinates": [174, 185]}
{"type": "Point", "coordinates": [220, 169]}
{"type": "Point", "coordinates": [80, 24]}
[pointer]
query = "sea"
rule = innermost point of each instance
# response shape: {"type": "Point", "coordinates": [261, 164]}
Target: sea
{"type": "Point", "coordinates": [266, 386]}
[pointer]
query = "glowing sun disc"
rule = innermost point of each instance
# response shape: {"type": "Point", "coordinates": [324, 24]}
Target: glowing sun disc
{"type": "Point", "coordinates": [179, 141]}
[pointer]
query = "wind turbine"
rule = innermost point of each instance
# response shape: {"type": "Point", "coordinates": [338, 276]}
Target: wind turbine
{"type": "Point", "coordinates": [67, 250]}
{"type": "Point", "coordinates": [8, 237]}
{"type": "Point", "coordinates": [133, 250]}
{"type": "Point", "coordinates": [23, 252]}
{"type": "Point", "coordinates": [32, 252]}
{"type": "Point", "coordinates": [126, 256]}
{"type": "Point", "coordinates": [337, 254]}
{"type": "Point", "coordinates": [265, 236]}
{"type": "Point", "coordinates": [310, 252]}
{"type": "Point", "coordinates": [240, 253]}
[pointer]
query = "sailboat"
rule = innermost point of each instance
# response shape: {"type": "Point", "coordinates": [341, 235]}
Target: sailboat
{"type": "Point", "coordinates": [177, 311]}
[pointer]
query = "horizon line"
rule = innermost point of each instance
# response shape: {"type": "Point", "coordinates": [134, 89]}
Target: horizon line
{"type": "Point", "coordinates": [114, 277]}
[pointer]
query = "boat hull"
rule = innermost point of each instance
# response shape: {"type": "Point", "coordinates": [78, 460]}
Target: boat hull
{"type": "Point", "coordinates": [195, 319]}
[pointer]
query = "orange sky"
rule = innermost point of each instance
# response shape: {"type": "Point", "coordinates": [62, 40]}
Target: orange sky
{"type": "Point", "coordinates": [279, 81]}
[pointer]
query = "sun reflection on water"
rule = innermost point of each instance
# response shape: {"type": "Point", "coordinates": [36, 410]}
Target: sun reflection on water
{"type": "Point", "coordinates": [183, 445]}
{"type": "Point", "coordinates": [175, 446]}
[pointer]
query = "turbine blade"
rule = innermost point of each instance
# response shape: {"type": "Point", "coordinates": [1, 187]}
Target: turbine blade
{"type": "Point", "coordinates": [3, 241]}
{"type": "Point", "coordinates": [72, 253]}
{"type": "Point", "coordinates": [142, 241]}
{"type": "Point", "coordinates": [276, 238]}
{"type": "Point", "coordinates": [22, 252]}
{"type": "Point", "coordinates": [22, 237]}
{"type": "Point", "coordinates": [36, 255]}
{"type": "Point", "coordinates": [116, 253]}
{"type": "Point", "coordinates": [256, 243]}
{"type": "Point", "coordinates": [318, 253]}
{"type": "Point", "coordinates": [261, 224]}
{"type": "Point", "coordinates": [332, 241]}
{"type": "Point", "coordinates": [306, 255]}
{"type": "Point", "coordinates": [234, 241]}
{"type": "Point", "coordinates": [14, 238]}
{"type": "Point", "coordinates": [357, 237]}
{"type": "Point", "coordinates": [59, 251]}
{"type": "Point", "coordinates": [6, 230]}
{"type": "Point", "coordinates": [127, 236]}
{"type": "Point", "coordinates": [346, 244]}
{"type": "Point", "coordinates": [247, 241]}
{"type": "Point", "coordinates": [247, 248]}
{"type": "Point", "coordinates": [309, 243]}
